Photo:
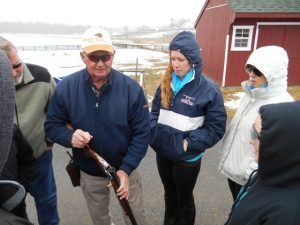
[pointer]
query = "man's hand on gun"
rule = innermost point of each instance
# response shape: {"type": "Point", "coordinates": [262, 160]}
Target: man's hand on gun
{"type": "Point", "coordinates": [119, 179]}
{"type": "Point", "coordinates": [80, 138]}
{"type": "Point", "coordinates": [123, 190]}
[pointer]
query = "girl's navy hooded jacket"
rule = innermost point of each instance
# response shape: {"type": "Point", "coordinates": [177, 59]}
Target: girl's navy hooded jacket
{"type": "Point", "coordinates": [197, 111]}
{"type": "Point", "coordinates": [272, 197]}
{"type": "Point", "coordinates": [118, 120]}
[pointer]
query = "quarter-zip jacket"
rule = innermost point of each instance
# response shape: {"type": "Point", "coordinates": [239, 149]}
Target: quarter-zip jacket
{"type": "Point", "coordinates": [118, 120]}
{"type": "Point", "coordinates": [32, 99]}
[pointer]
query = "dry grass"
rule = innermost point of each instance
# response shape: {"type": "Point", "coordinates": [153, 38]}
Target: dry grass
{"type": "Point", "coordinates": [294, 91]}
{"type": "Point", "coordinates": [228, 94]}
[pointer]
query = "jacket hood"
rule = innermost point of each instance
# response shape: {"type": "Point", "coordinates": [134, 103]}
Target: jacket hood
{"type": "Point", "coordinates": [187, 44]}
{"type": "Point", "coordinates": [272, 61]}
{"type": "Point", "coordinates": [7, 104]}
{"type": "Point", "coordinates": [279, 155]}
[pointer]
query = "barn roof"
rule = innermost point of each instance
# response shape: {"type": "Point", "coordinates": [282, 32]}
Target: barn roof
{"type": "Point", "coordinates": [266, 6]}
{"type": "Point", "coordinates": [259, 9]}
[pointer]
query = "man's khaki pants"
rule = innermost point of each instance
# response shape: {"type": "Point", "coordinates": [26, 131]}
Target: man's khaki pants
{"type": "Point", "coordinates": [97, 196]}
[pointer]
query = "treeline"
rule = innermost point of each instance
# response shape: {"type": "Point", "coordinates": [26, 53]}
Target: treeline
{"type": "Point", "coordinates": [57, 28]}
{"type": "Point", "coordinates": [40, 28]}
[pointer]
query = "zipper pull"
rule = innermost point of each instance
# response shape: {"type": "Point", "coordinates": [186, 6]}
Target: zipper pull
{"type": "Point", "coordinates": [172, 100]}
{"type": "Point", "coordinates": [97, 105]}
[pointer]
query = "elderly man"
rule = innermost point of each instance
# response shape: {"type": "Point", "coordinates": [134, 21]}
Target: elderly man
{"type": "Point", "coordinates": [108, 111]}
{"type": "Point", "coordinates": [34, 87]}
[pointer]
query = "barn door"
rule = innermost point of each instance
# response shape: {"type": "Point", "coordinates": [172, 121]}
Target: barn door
{"type": "Point", "coordinates": [286, 36]}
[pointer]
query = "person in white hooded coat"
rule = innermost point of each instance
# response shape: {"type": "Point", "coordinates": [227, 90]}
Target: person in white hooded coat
{"type": "Point", "coordinates": [267, 68]}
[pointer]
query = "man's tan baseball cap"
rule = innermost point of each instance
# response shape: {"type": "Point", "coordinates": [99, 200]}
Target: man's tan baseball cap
{"type": "Point", "coordinates": [96, 39]}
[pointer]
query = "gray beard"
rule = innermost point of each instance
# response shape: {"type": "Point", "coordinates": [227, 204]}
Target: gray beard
{"type": "Point", "coordinates": [18, 80]}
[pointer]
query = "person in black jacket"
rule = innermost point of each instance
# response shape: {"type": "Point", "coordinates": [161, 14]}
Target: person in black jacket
{"type": "Point", "coordinates": [18, 167]}
{"type": "Point", "coordinates": [7, 101]}
{"type": "Point", "coordinates": [272, 194]}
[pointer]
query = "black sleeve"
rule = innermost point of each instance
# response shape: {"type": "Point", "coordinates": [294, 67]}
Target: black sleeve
{"type": "Point", "coordinates": [25, 160]}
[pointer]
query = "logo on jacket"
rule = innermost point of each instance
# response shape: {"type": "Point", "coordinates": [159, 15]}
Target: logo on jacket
{"type": "Point", "coordinates": [187, 100]}
{"type": "Point", "coordinates": [98, 35]}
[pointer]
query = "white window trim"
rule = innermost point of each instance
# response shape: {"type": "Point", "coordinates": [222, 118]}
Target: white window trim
{"type": "Point", "coordinates": [248, 48]}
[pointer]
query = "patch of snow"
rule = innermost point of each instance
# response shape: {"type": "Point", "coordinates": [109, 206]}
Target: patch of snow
{"type": "Point", "coordinates": [64, 62]}
{"type": "Point", "coordinates": [234, 103]}
{"type": "Point", "coordinates": [42, 39]}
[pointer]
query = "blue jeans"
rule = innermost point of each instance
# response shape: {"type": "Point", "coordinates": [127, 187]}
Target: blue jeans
{"type": "Point", "coordinates": [43, 189]}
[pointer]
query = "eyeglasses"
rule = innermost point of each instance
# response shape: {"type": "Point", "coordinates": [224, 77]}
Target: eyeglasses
{"type": "Point", "coordinates": [251, 69]}
{"type": "Point", "coordinates": [254, 133]}
{"type": "Point", "coordinates": [97, 58]}
{"type": "Point", "coordinates": [16, 66]}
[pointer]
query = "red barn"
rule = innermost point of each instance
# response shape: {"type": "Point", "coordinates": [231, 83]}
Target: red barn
{"type": "Point", "coordinates": [229, 30]}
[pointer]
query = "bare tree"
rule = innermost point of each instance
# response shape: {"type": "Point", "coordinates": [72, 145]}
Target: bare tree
{"type": "Point", "coordinates": [178, 24]}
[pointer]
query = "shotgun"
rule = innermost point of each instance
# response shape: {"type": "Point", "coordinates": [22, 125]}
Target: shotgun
{"type": "Point", "coordinates": [110, 172]}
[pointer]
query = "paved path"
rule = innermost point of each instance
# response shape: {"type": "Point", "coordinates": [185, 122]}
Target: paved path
{"type": "Point", "coordinates": [212, 196]}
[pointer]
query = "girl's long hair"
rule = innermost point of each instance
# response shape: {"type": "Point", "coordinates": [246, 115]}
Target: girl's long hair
{"type": "Point", "coordinates": [166, 90]}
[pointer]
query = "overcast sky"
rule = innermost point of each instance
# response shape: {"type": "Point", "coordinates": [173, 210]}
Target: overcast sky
{"type": "Point", "coordinates": [109, 13]}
